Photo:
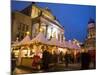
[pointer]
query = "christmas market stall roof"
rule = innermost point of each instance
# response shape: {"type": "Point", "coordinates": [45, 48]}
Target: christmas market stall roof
{"type": "Point", "coordinates": [63, 44]}
{"type": "Point", "coordinates": [69, 44]}
{"type": "Point", "coordinates": [72, 45]}
{"type": "Point", "coordinates": [54, 42]}
{"type": "Point", "coordinates": [15, 43]}
{"type": "Point", "coordinates": [25, 41]}
{"type": "Point", "coordinates": [40, 38]}
{"type": "Point", "coordinates": [75, 46]}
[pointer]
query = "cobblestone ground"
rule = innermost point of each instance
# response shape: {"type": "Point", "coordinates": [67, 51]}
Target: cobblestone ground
{"type": "Point", "coordinates": [57, 67]}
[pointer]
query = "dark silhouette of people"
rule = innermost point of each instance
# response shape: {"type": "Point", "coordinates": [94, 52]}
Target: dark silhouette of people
{"type": "Point", "coordinates": [36, 62]}
{"type": "Point", "coordinates": [85, 60]}
{"type": "Point", "coordinates": [13, 62]}
{"type": "Point", "coordinates": [55, 58]}
{"type": "Point", "coordinates": [61, 57]}
{"type": "Point", "coordinates": [78, 57]}
{"type": "Point", "coordinates": [93, 57]}
{"type": "Point", "coordinates": [72, 57]}
{"type": "Point", "coordinates": [46, 60]}
{"type": "Point", "coordinates": [66, 59]}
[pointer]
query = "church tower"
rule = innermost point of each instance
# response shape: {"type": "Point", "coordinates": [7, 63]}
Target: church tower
{"type": "Point", "coordinates": [91, 36]}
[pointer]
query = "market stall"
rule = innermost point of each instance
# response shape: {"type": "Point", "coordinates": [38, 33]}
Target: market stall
{"type": "Point", "coordinates": [53, 45]}
{"type": "Point", "coordinates": [24, 50]}
{"type": "Point", "coordinates": [38, 42]}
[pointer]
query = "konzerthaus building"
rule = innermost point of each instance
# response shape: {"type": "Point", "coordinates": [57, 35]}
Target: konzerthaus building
{"type": "Point", "coordinates": [34, 19]}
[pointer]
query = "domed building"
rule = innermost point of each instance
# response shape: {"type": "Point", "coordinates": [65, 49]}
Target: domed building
{"type": "Point", "coordinates": [90, 42]}
{"type": "Point", "coordinates": [91, 37]}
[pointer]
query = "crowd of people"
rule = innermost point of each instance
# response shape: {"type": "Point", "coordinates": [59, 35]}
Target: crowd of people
{"type": "Point", "coordinates": [48, 58]}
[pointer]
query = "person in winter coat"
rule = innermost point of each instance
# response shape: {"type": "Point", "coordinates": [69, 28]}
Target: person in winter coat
{"type": "Point", "coordinates": [85, 60]}
{"type": "Point", "coordinates": [67, 58]}
{"type": "Point", "coordinates": [46, 60]}
{"type": "Point", "coordinates": [36, 62]}
{"type": "Point", "coordinates": [13, 63]}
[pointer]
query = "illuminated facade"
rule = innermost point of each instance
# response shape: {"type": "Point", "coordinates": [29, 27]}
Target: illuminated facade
{"type": "Point", "coordinates": [91, 37]}
{"type": "Point", "coordinates": [20, 25]}
{"type": "Point", "coordinates": [35, 19]}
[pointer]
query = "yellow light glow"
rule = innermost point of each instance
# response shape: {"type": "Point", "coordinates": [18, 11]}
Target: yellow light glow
{"type": "Point", "coordinates": [17, 38]}
{"type": "Point", "coordinates": [27, 32]}
{"type": "Point", "coordinates": [41, 29]}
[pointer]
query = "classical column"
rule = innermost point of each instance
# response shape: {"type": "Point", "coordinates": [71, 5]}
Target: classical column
{"type": "Point", "coordinates": [51, 32]}
{"type": "Point", "coordinates": [46, 31]}
{"type": "Point", "coordinates": [39, 25]}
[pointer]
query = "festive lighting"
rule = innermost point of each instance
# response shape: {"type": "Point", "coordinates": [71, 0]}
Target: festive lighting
{"type": "Point", "coordinates": [41, 29]}
{"type": "Point", "coordinates": [27, 32]}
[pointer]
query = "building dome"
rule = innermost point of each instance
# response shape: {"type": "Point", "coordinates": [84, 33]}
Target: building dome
{"type": "Point", "coordinates": [91, 23]}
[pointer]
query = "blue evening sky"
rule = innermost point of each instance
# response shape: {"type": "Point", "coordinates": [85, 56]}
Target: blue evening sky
{"type": "Point", "coordinates": [74, 18]}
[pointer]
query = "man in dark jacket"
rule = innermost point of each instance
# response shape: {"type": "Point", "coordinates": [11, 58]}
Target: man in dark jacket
{"type": "Point", "coordinates": [45, 59]}
{"type": "Point", "coordinates": [13, 62]}
{"type": "Point", "coordinates": [66, 59]}
{"type": "Point", "coordinates": [85, 60]}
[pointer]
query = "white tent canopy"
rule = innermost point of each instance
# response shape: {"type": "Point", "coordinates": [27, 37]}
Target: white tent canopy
{"type": "Point", "coordinates": [40, 38]}
{"type": "Point", "coordinates": [71, 45]}
{"type": "Point", "coordinates": [54, 42]}
{"type": "Point", "coordinates": [15, 43]}
{"type": "Point", "coordinates": [64, 44]}
{"type": "Point", "coordinates": [75, 46]}
{"type": "Point", "coordinates": [25, 41]}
